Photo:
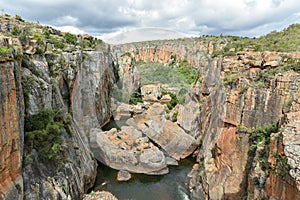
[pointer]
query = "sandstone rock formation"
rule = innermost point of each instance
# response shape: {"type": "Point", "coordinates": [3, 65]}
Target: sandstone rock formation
{"type": "Point", "coordinates": [127, 150]}
{"type": "Point", "coordinates": [168, 135]}
{"type": "Point", "coordinates": [151, 92]}
{"type": "Point", "coordinates": [235, 95]}
{"type": "Point", "coordinates": [233, 99]}
{"type": "Point", "coordinates": [11, 127]}
{"type": "Point", "coordinates": [61, 78]}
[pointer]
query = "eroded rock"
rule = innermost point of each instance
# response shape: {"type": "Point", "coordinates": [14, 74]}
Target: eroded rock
{"type": "Point", "coordinates": [124, 151]}
{"type": "Point", "coordinates": [166, 134]}
{"type": "Point", "coordinates": [123, 175]}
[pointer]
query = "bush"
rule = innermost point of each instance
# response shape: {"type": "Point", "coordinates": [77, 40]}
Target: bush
{"type": "Point", "coordinates": [43, 132]}
{"type": "Point", "coordinates": [46, 33]}
{"type": "Point", "coordinates": [15, 31]}
{"type": "Point", "coordinates": [174, 100]}
{"type": "Point", "coordinates": [135, 97]}
{"type": "Point", "coordinates": [281, 167]}
{"type": "Point", "coordinates": [37, 37]}
{"type": "Point", "coordinates": [174, 116]}
{"type": "Point", "coordinates": [5, 50]}
{"type": "Point", "coordinates": [70, 38]}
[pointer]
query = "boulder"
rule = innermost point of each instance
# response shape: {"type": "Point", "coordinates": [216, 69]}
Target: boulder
{"type": "Point", "coordinates": [103, 195]}
{"type": "Point", "coordinates": [151, 92]}
{"type": "Point", "coordinates": [123, 175]}
{"type": "Point", "coordinates": [127, 151]}
{"type": "Point", "coordinates": [166, 134]}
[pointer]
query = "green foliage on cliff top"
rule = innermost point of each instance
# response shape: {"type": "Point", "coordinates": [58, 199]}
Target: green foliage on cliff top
{"type": "Point", "coordinates": [287, 40]}
{"type": "Point", "coordinates": [28, 30]}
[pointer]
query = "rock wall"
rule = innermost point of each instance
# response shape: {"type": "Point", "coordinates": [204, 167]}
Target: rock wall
{"type": "Point", "coordinates": [81, 87]}
{"type": "Point", "coordinates": [74, 76]}
{"type": "Point", "coordinates": [43, 72]}
{"type": "Point", "coordinates": [11, 126]}
{"type": "Point", "coordinates": [236, 95]}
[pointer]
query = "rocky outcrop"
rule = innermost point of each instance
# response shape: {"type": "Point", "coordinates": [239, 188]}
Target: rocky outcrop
{"type": "Point", "coordinates": [135, 148]}
{"type": "Point", "coordinates": [123, 175]}
{"type": "Point", "coordinates": [151, 92]}
{"type": "Point", "coordinates": [128, 150]}
{"type": "Point", "coordinates": [11, 126]}
{"type": "Point", "coordinates": [103, 195]}
{"type": "Point", "coordinates": [227, 152]}
{"type": "Point", "coordinates": [188, 115]}
{"type": "Point", "coordinates": [50, 74]}
{"type": "Point", "coordinates": [168, 135]}
{"type": "Point", "coordinates": [127, 75]}
{"type": "Point", "coordinates": [283, 182]}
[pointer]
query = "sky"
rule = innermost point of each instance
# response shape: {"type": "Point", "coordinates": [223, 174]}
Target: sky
{"type": "Point", "coordinates": [250, 18]}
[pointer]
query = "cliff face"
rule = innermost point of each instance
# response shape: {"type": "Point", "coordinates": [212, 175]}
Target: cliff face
{"type": "Point", "coordinates": [53, 91]}
{"type": "Point", "coordinates": [55, 87]}
{"type": "Point", "coordinates": [243, 99]}
{"type": "Point", "coordinates": [12, 123]}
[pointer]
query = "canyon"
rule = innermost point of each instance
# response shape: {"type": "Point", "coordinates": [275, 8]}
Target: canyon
{"type": "Point", "coordinates": [240, 116]}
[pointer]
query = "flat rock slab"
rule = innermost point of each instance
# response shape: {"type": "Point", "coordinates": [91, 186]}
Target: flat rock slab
{"type": "Point", "coordinates": [166, 134]}
{"type": "Point", "coordinates": [130, 152]}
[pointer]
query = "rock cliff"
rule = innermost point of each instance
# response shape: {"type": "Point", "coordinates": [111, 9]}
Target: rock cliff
{"type": "Point", "coordinates": [55, 87]}
{"type": "Point", "coordinates": [242, 110]}
{"type": "Point", "coordinates": [243, 99]}
{"type": "Point", "coordinates": [12, 127]}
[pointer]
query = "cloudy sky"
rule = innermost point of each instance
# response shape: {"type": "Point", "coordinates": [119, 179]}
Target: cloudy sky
{"type": "Point", "coordinates": [194, 17]}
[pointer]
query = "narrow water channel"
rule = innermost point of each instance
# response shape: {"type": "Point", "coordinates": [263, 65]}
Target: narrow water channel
{"type": "Point", "coordinates": [172, 186]}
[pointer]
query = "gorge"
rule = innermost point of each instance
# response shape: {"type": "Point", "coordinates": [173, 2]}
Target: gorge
{"type": "Point", "coordinates": [239, 114]}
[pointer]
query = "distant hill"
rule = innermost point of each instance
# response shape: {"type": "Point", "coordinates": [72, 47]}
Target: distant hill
{"type": "Point", "coordinates": [143, 34]}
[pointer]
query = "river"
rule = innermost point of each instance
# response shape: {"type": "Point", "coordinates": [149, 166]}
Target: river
{"type": "Point", "coordinates": [172, 186]}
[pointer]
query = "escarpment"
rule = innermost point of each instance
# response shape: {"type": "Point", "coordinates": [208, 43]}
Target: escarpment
{"type": "Point", "coordinates": [246, 100]}
{"type": "Point", "coordinates": [240, 111]}
{"type": "Point", "coordinates": [54, 87]}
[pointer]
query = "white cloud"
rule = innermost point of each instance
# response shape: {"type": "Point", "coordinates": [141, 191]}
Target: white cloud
{"type": "Point", "coordinates": [66, 20]}
{"type": "Point", "coordinates": [242, 17]}
{"type": "Point", "coordinates": [70, 29]}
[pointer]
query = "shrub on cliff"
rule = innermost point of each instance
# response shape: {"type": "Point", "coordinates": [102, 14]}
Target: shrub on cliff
{"type": "Point", "coordinates": [43, 132]}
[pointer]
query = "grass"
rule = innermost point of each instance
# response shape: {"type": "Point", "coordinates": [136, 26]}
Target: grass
{"type": "Point", "coordinates": [287, 40]}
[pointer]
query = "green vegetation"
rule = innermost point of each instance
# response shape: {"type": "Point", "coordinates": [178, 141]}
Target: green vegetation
{"type": "Point", "coordinates": [135, 97]}
{"type": "Point", "coordinates": [281, 168]}
{"type": "Point", "coordinates": [287, 40]}
{"type": "Point", "coordinates": [70, 38]}
{"type": "Point", "coordinates": [178, 76]}
{"type": "Point", "coordinates": [15, 31]}
{"type": "Point", "coordinates": [174, 116]}
{"type": "Point", "coordinates": [46, 33]}
{"type": "Point", "coordinates": [175, 76]}
{"type": "Point", "coordinates": [26, 96]}
{"type": "Point", "coordinates": [5, 50]}
{"type": "Point", "coordinates": [174, 101]}
{"type": "Point", "coordinates": [37, 37]}
{"type": "Point", "coordinates": [43, 132]}
{"type": "Point", "coordinates": [260, 137]}
{"type": "Point", "coordinates": [230, 78]}
{"type": "Point", "coordinates": [17, 17]}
